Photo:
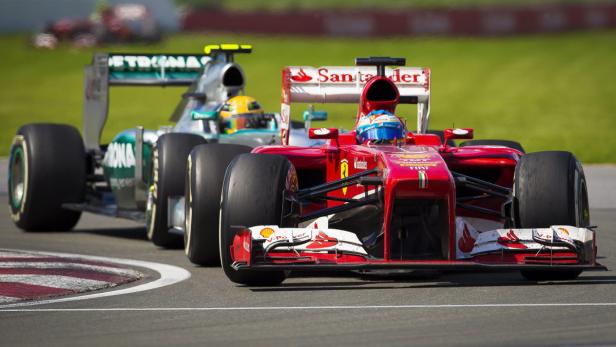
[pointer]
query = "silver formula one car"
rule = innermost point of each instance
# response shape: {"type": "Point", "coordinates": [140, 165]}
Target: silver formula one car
{"type": "Point", "coordinates": [55, 174]}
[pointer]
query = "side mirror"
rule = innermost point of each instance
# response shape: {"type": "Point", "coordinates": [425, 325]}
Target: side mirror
{"type": "Point", "coordinates": [311, 115]}
{"type": "Point", "coordinates": [315, 115]}
{"type": "Point", "coordinates": [323, 133]}
{"type": "Point", "coordinates": [458, 134]}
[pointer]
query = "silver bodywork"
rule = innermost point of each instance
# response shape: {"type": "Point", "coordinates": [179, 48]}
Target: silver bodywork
{"type": "Point", "coordinates": [210, 81]}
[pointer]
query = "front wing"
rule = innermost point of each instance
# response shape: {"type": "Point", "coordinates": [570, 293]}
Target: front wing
{"type": "Point", "coordinates": [317, 247]}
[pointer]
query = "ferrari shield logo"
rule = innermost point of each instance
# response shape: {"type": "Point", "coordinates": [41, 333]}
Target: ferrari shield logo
{"type": "Point", "coordinates": [344, 172]}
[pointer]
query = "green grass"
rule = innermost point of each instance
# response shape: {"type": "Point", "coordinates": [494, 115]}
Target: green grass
{"type": "Point", "coordinates": [548, 92]}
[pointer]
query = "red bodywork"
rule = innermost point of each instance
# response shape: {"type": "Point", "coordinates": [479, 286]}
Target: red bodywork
{"type": "Point", "coordinates": [118, 23]}
{"type": "Point", "coordinates": [416, 169]}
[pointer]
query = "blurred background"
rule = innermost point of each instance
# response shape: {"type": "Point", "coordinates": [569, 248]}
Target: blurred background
{"type": "Point", "coordinates": [537, 71]}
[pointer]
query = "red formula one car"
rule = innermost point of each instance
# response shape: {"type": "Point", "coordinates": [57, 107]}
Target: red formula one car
{"type": "Point", "coordinates": [381, 197]}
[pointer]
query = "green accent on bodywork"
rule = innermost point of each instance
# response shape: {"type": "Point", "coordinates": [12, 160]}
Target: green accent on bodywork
{"type": "Point", "coordinates": [137, 75]}
{"type": "Point", "coordinates": [311, 115]}
{"type": "Point", "coordinates": [156, 66]}
{"type": "Point", "coordinates": [121, 178]}
{"type": "Point", "coordinates": [204, 115]}
{"type": "Point", "coordinates": [16, 154]}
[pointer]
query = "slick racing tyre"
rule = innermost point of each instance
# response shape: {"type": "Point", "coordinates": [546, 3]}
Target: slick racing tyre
{"type": "Point", "coordinates": [505, 143]}
{"type": "Point", "coordinates": [47, 168]}
{"type": "Point", "coordinates": [206, 167]}
{"type": "Point", "coordinates": [169, 165]}
{"type": "Point", "coordinates": [253, 194]}
{"type": "Point", "coordinates": [550, 189]}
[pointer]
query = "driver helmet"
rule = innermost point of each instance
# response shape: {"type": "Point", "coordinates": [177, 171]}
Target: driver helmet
{"type": "Point", "coordinates": [242, 112]}
{"type": "Point", "coordinates": [379, 126]}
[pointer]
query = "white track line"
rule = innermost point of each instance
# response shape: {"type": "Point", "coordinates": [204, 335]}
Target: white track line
{"type": "Point", "coordinates": [169, 275]}
{"type": "Point", "coordinates": [307, 308]}
{"type": "Point", "coordinates": [55, 281]}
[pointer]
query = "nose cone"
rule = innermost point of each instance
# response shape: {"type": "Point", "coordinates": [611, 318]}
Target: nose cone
{"type": "Point", "coordinates": [418, 172]}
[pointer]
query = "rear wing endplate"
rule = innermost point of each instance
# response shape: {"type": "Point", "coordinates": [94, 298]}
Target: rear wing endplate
{"type": "Point", "coordinates": [344, 84]}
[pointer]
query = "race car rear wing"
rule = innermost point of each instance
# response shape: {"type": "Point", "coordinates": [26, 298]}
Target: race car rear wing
{"type": "Point", "coordinates": [203, 73]}
{"type": "Point", "coordinates": [344, 84]}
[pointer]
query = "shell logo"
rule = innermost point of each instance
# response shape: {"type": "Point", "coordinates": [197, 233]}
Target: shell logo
{"type": "Point", "coordinates": [266, 232]}
{"type": "Point", "coordinates": [564, 231]}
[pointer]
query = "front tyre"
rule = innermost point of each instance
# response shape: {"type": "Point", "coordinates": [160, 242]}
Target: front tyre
{"type": "Point", "coordinates": [253, 194]}
{"type": "Point", "coordinates": [169, 165]}
{"type": "Point", "coordinates": [550, 189]}
{"type": "Point", "coordinates": [206, 169]}
{"type": "Point", "coordinates": [47, 168]}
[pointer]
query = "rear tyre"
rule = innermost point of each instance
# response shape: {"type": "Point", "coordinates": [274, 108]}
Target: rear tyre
{"type": "Point", "coordinates": [205, 172]}
{"type": "Point", "coordinates": [505, 143]}
{"type": "Point", "coordinates": [169, 165]}
{"type": "Point", "coordinates": [47, 168]}
{"type": "Point", "coordinates": [252, 194]}
{"type": "Point", "coordinates": [550, 189]}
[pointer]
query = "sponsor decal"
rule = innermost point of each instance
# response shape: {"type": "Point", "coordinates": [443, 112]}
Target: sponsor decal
{"type": "Point", "coordinates": [277, 238]}
{"type": "Point", "coordinates": [344, 172]}
{"type": "Point", "coordinates": [266, 232]}
{"type": "Point", "coordinates": [119, 155]}
{"type": "Point", "coordinates": [415, 161]}
{"type": "Point", "coordinates": [150, 62]}
{"type": "Point", "coordinates": [511, 240]}
{"type": "Point", "coordinates": [360, 164]}
{"type": "Point", "coordinates": [411, 155]}
{"type": "Point", "coordinates": [564, 230]}
{"type": "Point", "coordinates": [418, 166]}
{"type": "Point", "coordinates": [553, 236]}
{"type": "Point", "coordinates": [322, 240]}
{"type": "Point", "coordinates": [466, 242]}
{"type": "Point", "coordinates": [321, 131]}
{"type": "Point", "coordinates": [356, 75]}
{"type": "Point", "coordinates": [325, 76]}
{"type": "Point", "coordinates": [301, 76]}
{"type": "Point", "coordinates": [423, 179]}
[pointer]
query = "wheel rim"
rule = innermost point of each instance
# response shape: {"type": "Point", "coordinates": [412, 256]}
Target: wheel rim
{"type": "Point", "coordinates": [17, 178]}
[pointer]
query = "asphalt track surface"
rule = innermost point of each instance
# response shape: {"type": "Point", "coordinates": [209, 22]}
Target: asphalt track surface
{"type": "Point", "coordinates": [471, 309]}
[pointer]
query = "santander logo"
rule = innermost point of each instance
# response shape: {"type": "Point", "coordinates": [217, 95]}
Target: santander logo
{"type": "Point", "coordinates": [322, 240]}
{"type": "Point", "coordinates": [511, 240]}
{"type": "Point", "coordinates": [352, 75]}
{"type": "Point", "coordinates": [301, 76]}
{"type": "Point", "coordinates": [466, 242]}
